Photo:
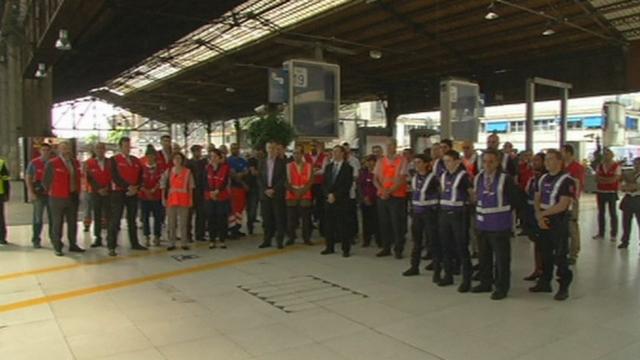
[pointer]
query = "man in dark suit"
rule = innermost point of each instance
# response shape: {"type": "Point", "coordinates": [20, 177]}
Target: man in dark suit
{"type": "Point", "coordinates": [272, 185]}
{"type": "Point", "coordinates": [337, 185]}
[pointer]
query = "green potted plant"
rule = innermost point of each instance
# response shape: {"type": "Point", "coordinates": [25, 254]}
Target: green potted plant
{"type": "Point", "coordinates": [269, 127]}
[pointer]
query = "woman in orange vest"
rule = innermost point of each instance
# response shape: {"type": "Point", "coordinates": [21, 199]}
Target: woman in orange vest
{"type": "Point", "coordinates": [177, 196]}
{"type": "Point", "coordinates": [299, 200]}
{"type": "Point", "coordinates": [217, 195]}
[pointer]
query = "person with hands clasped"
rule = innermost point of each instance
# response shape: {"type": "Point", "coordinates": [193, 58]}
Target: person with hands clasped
{"type": "Point", "coordinates": [299, 199]}
{"type": "Point", "coordinates": [554, 194]}
{"type": "Point", "coordinates": [177, 196]}
{"type": "Point", "coordinates": [217, 195]}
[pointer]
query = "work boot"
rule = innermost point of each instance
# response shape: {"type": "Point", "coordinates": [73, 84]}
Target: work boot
{"type": "Point", "coordinates": [437, 276]}
{"type": "Point", "coordinates": [412, 271]}
{"type": "Point", "coordinates": [541, 287]}
{"type": "Point", "coordinates": [446, 280]}
{"type": "Point", "coordinates": [465, 286]}
{"type": "Point", "coordinates": [563, 293]}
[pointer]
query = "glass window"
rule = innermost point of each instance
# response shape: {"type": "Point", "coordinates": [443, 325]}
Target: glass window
{"type": "Point", "coordinates": [497, 127]}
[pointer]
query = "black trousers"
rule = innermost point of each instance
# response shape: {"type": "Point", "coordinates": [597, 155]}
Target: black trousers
{"type": "Point", "coordinates": [218, 219]}
{"type": "Point", "coordinates": [64, 210]}
{"type": "Point", "coordinates": [297, 214]}
{"type": "Point", "coordinates": [274, 218]}
{"type": "Point", "coordinates": [101, 207]}
{"type": "Point", "coordinates": [337, 217]}
{"type": "Point", "coordinates": [554, 245]}
{"type": "Point", "coordinates": [3, 222]}
{"type": "Point", "coordinates": [253, 199]}
{"type": "Point", "coordinates": [632, 210]}
{"type": "Point", "coordinates": [607, 201]}
{"type": "Point", "coordinates": [353, 219]}
{"type": "Point", "coordinates": [392, 217]}
{"type": "Point", "coordinates": [199, 212]}
{"type": "Point", "coordinates": [453, 235]}
{"type": "Point", "coordinates": [319, 202]}
{"type": "Point", "coordinates": [424, 233]}
{"type": "Point", "coordinates": [495, 245]}
{"type": "Point", "coordinates": [370, 228]}
{"type": "Point", "coordinates": [120, 201]}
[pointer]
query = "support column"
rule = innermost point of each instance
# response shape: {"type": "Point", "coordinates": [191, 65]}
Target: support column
{"type": "Point", "coordinates": [11, 106]}
{"type": "Point", "coordinates": [528, 125]}
{"type": "Point", "coordinates": [208, 133]}
{"type": "Point", "coordinates": [564, 103]}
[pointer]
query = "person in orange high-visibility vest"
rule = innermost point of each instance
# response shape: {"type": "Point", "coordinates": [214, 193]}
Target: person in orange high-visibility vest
{"type": "Point", "coordinates": [177, 196]}
{"type": "Point", "coordinates": [299, 200]}
{"type": "Point", "coordinates": [391, 181]}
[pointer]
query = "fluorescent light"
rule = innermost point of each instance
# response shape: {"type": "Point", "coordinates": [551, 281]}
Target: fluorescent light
{"type": "Point", "coordinates": [375, 54]}
{"type": "Point", "coordinates": [42, 71]}
{"type": "Point", "coordinates": [63, 42]}
{"type": "Point", "coordinates": [548, 32]}
{"type": "Point", "coordinates": [491, 12]}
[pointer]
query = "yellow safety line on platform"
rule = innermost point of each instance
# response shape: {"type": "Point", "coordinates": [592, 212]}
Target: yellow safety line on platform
{"type": "Point", "coordinates": [14, 275]}
{"type": "Point", "coordinates": [140, 280]}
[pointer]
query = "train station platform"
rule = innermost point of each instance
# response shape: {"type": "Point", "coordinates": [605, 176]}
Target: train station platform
{"type": "Point", "coordinates": [247, 303]}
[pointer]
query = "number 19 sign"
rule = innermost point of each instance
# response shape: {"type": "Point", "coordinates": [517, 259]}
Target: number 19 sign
{"type": "Point", "coordinates": [314, 98]}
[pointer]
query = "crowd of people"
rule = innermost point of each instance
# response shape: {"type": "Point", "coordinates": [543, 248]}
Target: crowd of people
{"type": "Point", "coordinates": [460, 205]}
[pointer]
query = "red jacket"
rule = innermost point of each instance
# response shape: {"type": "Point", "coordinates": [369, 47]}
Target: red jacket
{"type": "Point", "coordinates": [98, 178]}
{"type": "Point", "coordinates": [60, 182]}
{"type": "Point", "coordinates": [151, 180]}
{"type": "Point", "coordinates": [125, 174]}
{"type": "Point", "coordinates": [318, 164]}
{"type": "Point", "coordinates": [217, 179]}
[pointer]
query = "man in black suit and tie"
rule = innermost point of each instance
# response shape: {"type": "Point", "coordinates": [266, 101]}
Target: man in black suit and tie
{"type": "Point", "coordinates": [272, 180]}
{"type": "Point", "coordinates": [337, 185]}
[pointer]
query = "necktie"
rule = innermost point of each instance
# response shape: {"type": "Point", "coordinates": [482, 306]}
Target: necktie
{"type": "Point", "coordinates": [336, 169]}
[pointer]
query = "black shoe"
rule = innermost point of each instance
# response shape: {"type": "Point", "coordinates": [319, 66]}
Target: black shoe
{"type": "Point", "coordinates": [413, 271]}
{"type": "Point", "coordinates": [446, 280]}
{"type": "Point", "coordinates": [476, 276]}
{"type": "Point", "coordinates": [475, 267]}
{"type": "Point", "coordinates": [289, 242]}
{"type": "Point", "coordinates": [212, 245]}
{"type": "Point", "coordinates": [481, 289]}
{"type": "Point", "coordinates": [96, 244]}
{"type": "Point", "coordinates": [464, 287]}
{"type": "Point", "coordinates": [533, 277]}
{"type": "Point", "coordinates": [59, 253]}
{"type": "Point", "coordinates": [398, 255]}
{"type": "Point", "coordinates": [76, 249]}
{"type": "Point", "coordinates": [223, 245]}
{"type": "Point", "coordinates": [562, 294]}
{"type": "Point", "coordinates": [171, 248]}
{"type": "Point", "coordinates": [185, 248]}
{"type": "Point", "coordinates": [4, 242]}
{"type": "Point", "coordinates": [498, 295]}
{"type": "Point", "coordinates": [383, 253]}
{"type": "Point", "coordinates": [86, 229]}
{"type": "Point", "coordinates": [456, 270]}
{"type": "Point", "coordinates": [541, 288]}
{"type": "Point", "coordinates": [112, 252]}
{"type": "Point", "coordinates": [429, 266]}
{"type": "Point", "coordinates": [138, 247]}
{"type": "Point", "coordinates": [37, 246]}
{"type": "Point", "coordinates": [327, 252]}
{"type": "Point", "coordinates": [345, 254]}
{"type": "Point", "coordinates": [264, 245]}
{"type": "Point", "coordinates": [571, 261]}
{"type": "Point", "coordinates": [308, 242]}
{"type": "Point", "coordinates": [623, 246]}
{"type": "Point", "coordinates": [437, 277]}
{"type": "Point", "coordinates": [240, 234]}
{"type": "Point", "coordinates": [280, 246]}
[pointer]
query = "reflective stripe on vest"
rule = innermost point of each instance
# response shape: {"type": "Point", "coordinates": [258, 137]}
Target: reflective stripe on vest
{"type": "Point", "coordinates": [554, 192]}
{"type": "Point", "coordinates": [454, 190]}
{"type": "Point", "coordinates": [501, 207]}
{"type": "Point", "coordinates": [298, 180]}
{"type": "Point", "coordinates": [422, 201]}
{"type": "Point", "coordinates": [179, 192]}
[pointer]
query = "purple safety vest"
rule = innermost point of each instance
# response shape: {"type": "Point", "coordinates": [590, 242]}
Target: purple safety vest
{"type": "Point", "coordinates": [451, 198]}
{"type": "Point", "coordinates": [493, 210]}
{"type": "Point", "coordinates": [420, 199]}
{"type": "Point", "coordinates": [549, 188]}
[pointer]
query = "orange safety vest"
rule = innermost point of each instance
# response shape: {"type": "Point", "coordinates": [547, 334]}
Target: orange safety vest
{"type": "Point", "coordinates": [299, 180]}
{"type": "Point", "coordinates": [179, 194]}
{"type": "Point", "coordinates": [389, 171]}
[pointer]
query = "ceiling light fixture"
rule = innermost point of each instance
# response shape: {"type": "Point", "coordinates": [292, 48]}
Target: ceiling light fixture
{"type": "Point", "coordinates": [491, 12]}
{"type": "Point", "coordinates": [42, 71]}
{"type": "Point", "coordinates": [375, 54]}
{"type": "Point", "coordinates": [63, 42]}
{"type": "Point", "coordinates": [230, 90]}
{"type": "Point", "coordinates": [548, 31]}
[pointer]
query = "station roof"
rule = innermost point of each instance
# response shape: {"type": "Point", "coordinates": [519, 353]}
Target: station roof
{"type": "Point", "coordinates": [218, 70]}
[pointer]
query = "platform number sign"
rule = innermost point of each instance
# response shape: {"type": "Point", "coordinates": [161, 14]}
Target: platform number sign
{"type": "Point", "coordinates": [300, 77]}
